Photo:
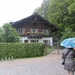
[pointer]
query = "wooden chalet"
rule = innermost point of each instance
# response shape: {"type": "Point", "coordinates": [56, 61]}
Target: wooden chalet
{"type": "Point", "coordinates": [35, 29]}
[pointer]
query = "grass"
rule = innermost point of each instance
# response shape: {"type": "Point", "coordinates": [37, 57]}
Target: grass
{"type": "Point", "coordinates": [49, 50]}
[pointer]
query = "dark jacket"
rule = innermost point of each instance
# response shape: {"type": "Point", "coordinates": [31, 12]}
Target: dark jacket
{"type": "Point", "coordinates": [69, 60]}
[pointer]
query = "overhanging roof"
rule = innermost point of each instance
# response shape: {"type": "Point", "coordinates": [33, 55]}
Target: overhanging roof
{"type": "Point", "coordinates": [22, 21]}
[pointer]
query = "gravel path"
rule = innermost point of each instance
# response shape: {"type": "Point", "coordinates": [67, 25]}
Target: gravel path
{"type": "Point", "coordinates": [47, 65]}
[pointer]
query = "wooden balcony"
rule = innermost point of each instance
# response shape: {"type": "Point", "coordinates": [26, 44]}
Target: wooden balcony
{"type": "Point", "coordinates": [36, 35]}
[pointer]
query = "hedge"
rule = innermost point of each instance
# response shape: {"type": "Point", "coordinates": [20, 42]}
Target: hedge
{"type": "Point", "coordinates": [21, 50]}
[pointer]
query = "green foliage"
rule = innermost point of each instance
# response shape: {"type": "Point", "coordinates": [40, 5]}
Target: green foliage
{"type": "Point", "coordinates": [49, 50]}
{"type": "Point", "coordinates": [38, 10]}
{"type": "Point", "coordinates": [67, 34]}
{"type": "Point", "coordinates": [1, 38]}
{"type": "Point", "coordinates": [60, 13]}
{"type": "Point", "coordinates": [57, 12]}
{"type": "Point", "coordinates": [21, 50]}
{"type": "Point", "coordinates": [71, 18]}
{"type": "Point", "coordinates": [71, 9]}
{"type": "Point", "coordinates": [43, 10]}
{"type": "Point", "coordinates": [9, 34]}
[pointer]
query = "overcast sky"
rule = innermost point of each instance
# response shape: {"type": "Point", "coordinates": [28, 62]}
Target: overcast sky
{"type": "Point", "coordinates": [13, 10]}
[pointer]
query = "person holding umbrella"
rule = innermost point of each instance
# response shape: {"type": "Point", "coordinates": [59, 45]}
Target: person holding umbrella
{"type": "Point", "coordinates": [68, 55]}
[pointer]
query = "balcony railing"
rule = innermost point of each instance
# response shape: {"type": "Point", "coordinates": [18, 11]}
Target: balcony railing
{"type": "Point", "coordinates": [36, 34]}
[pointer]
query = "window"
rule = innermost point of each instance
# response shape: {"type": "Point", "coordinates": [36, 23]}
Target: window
{"type": "Point", "coordinates": [45, 42]}
{"type": "Point", "coordinates": [34, 41]}
{"type": "Point", "coordinates": [25, 40]}
{"type": "Point", "coordinates": [34, 30]}
{"type": "Point", "coordinates": [46, 31]}
{"type": "Point", "coordinates": [21, 30]}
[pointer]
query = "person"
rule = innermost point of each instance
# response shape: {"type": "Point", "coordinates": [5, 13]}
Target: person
{"type": "Point", "coordinates": [69, 64]}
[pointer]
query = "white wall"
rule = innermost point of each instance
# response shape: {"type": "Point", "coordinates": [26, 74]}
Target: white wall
{"type": "Point", "coordinates": [49, 39]}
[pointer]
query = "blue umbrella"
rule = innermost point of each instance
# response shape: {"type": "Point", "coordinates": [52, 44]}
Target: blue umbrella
{"type": "Point", "coordinates": [68, 43]}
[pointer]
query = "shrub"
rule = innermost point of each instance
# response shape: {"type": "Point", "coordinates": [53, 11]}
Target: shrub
{"type": "Point", "coordinates": [21, 50]}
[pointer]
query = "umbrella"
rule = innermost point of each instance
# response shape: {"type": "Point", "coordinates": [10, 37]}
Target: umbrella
{"type": "Point", "coordinates": [68, 43]}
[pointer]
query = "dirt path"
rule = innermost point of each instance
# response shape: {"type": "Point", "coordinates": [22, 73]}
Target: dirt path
{"type": "Point", "coordinates": [46, 65]}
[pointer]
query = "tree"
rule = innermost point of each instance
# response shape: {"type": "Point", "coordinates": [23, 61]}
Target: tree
{"type": "Point", "coordinates": [10, 34]}
{"type": "Point", "coordinates": [39, 11]}
{"type": "Point", "coordinates": [59, 14]}
{"type": "Point", "coordinates": [44, 7]}
{"type": "Point", "coordinates": [71, 20]}
{"type": "Point", "coordinates": [1, 37]}
{"type": "Point", "coordinates": [43, 10]}
{"type": "Point", "coordinates": [68, 33]}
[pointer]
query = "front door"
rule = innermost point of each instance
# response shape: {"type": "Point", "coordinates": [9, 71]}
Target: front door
{"type": "Point", "coordinates": [26, 41]}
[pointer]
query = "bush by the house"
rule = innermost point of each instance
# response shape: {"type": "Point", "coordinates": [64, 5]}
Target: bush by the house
{"type": "Point", "coordinates": [21, 50]}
